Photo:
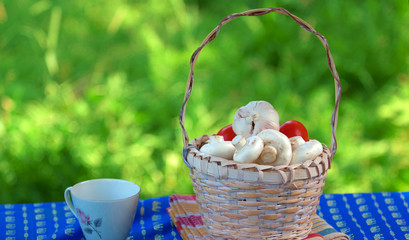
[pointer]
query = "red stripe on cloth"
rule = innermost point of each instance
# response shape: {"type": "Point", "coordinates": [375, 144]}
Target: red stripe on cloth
{"type": "Point", "coordinates": [183, 197]}
{"type": "Point", "coordinates": [176, 221]}
{"type": "Point", "coordinates": [194, 221]}
{"type": "Point", "coordinates": [314, 236]}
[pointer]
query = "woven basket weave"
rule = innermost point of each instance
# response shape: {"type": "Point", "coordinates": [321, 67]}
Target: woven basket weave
{"type": "Point", "coordinates": [251, 201]}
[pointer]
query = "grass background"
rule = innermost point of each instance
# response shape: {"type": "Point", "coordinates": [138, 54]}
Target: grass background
{"type": "Point", "coordinates": [92, 89]}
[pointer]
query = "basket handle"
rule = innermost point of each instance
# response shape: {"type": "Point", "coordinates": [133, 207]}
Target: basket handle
{"type": "Point", "coordinates": [259, 12]}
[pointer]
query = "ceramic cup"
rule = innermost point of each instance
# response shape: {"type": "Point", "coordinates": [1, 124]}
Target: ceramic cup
{"type": "Point", "coordinates": [105, 208]}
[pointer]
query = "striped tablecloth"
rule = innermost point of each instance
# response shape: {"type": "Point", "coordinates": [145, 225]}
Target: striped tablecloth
{"type": "Point", "coordinates": [360, 216]}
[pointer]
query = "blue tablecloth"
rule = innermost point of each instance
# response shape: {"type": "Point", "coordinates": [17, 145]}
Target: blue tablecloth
{"type": "Point", "coordinates": [361, 216]}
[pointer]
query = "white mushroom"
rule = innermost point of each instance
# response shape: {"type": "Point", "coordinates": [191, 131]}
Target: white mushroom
{"type": "Point", "coordinates": [212, 138]}
{"type": "Point", "coordinates": [308, 151]}
{"type": "Point", "coordinates": [268, 155]}
{"type": "Point", "coordinates": [253, 118]}
{"type": "Point", "coordinates": [296, 141]}
{"type": "Point", "coordinates": [239, 141]}
{"type": "Point", "coordinates": [247, 150]}
{"type": "Point", "coordinates": [279, 141]}
{"type": "Point", "coordinates": [216, 146]}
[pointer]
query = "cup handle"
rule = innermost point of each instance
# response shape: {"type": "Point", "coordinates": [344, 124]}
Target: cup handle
{"type": "Point", "coordinates": [67, 196]}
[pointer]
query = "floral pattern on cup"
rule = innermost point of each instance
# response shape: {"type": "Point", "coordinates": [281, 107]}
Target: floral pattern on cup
{"type": "Point", "coordinates": [90, 225]}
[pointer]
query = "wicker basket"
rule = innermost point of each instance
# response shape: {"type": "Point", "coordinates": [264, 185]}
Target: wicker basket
{"type": "Point", "coordinates": [251, 201]}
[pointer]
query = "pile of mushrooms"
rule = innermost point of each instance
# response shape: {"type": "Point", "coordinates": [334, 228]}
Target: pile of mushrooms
{"type": "Point", "coordinates": [259, 140]}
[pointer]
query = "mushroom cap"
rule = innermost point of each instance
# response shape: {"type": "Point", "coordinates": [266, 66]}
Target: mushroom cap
{"type": "Point", "coordinates": [212, 138]}
{"type": "Point", "coordinates": [223, 149]}
{"type": "Point", "coordinates": [239, 141]}
{"type": "Point", "coordinates": [308, 151]}
{"type": "Point", "coordinates": [280, 142]}
{"type": "Point", "coordinates": [296, 141]}
{"type": "Point", "coordinates": [250, 151]}
{"type": "Point", "coordinates": [256, 116]}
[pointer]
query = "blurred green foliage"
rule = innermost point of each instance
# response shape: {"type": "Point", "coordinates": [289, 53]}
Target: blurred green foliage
{"type": "Point", "coordinates": [92, 89]}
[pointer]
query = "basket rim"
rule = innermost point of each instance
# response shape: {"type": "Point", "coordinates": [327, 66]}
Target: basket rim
{"type": "Point", "coordinates": [252, 172]}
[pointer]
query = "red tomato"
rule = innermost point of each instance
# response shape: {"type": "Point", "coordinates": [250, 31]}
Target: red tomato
{"type": "Point", "coordinates": [294, 128]}
{"type": "Point", "coordinates": [227, 133]}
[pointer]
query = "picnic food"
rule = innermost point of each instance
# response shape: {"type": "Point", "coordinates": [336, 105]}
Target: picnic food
{"type": "Point", "coordinates": [258, 139]}
{"type": "Point", "coordinates": [293, 128]}
{"type": "Point", "coordinates": [296, 141]}
{"type": "Point", "coordinates": [280, 142]}
{"type": "Point", "coordinates": [247, 150]}
{"type": "Point", "coordinates": [227, 133]}
{"type": "Point", "coordinates": [253, 118]}
{"type": "Point", "coordinates": [307, 151]}
{"type": "Point", "coordinates": [216, 146]}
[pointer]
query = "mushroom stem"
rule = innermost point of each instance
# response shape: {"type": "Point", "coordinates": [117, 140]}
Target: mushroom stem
{"type": "Point", "coordinates": [268, 155]}
{"type": "Point", "coordinates": [280, 142]}
{"type": "Point", "coordinates": [250, 151]}
{"type": "Point", "coordinates": [239, 142]}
